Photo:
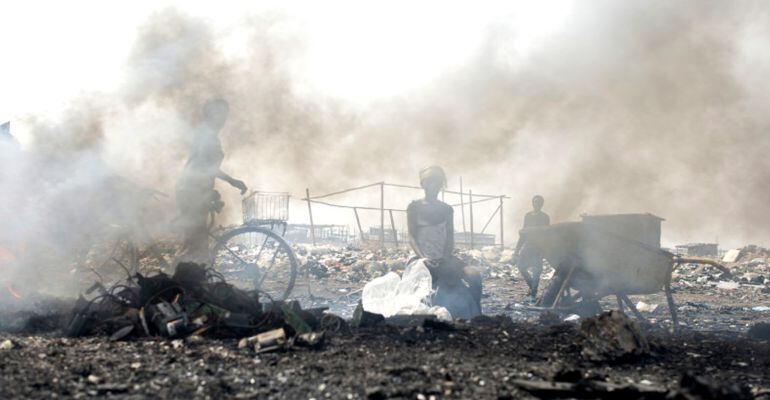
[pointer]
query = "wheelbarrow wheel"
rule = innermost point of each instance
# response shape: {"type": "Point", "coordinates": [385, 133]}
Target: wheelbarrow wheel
{"type": "Point", "coordinates": [255, 257]}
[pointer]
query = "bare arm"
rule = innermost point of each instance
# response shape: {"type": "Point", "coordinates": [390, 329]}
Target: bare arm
{"type": "Point", "coordinates": [519, 244]}
{"type": "Point", "coordinates": [236, 183]}
{"type": "Point", "coordinates": [521, 241]}
{"type": "Point", "coordinates": [412, 228]}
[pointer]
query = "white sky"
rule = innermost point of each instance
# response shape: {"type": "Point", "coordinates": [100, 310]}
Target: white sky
{"type": "Point", "coordinates": [54, 51]}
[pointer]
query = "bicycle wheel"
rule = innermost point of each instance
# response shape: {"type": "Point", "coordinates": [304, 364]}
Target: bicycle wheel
{"type": "Point", "coordinates": [253, 257]}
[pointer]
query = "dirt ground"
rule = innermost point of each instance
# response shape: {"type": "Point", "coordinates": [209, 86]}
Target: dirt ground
{"type": "Point", "coordinates": [484, 359]}
{"type": "Point", "coordinates": [388, 362]}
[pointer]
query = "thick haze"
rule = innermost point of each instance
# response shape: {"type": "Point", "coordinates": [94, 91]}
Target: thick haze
{"type": "Point", "coordinates": [654, 107]}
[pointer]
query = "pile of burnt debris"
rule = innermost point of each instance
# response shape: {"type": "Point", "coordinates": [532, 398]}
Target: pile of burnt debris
{"type": "Point", "coordinates": [195, 302]}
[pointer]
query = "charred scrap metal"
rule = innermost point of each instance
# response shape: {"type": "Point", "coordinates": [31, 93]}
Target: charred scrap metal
{"type": "Point", "coordinates": [195, 301]}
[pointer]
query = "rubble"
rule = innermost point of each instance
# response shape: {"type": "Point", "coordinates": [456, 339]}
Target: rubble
{"type": "Point", "coordinates": [646, 307]}
{"type": "Point", "coordinates": [731, 255]}
{"type": "Point", "coordinates": [193, 303]}
{"type": "Point", "coordinates": [728, 285]}
{"type": "Point", "coordinates": [265, 342]}
{"type": "Point", "coordinates": [350, 263]}
{"type": "Point", "coordinates": [365, 319]}
{"type": "Point", "coordinates": [612, 336]}
{"type": "Point", "coordinates": [7, 344]}
{"type": "Point", "coordinates": [311, 340]}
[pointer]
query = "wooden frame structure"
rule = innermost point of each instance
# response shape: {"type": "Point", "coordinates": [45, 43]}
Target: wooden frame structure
{"type": "Point", "coordinates": [320, 199]}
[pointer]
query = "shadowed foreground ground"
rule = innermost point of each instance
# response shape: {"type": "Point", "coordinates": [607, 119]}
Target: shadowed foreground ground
{"type": "Point", "coordinates": [480, 361]}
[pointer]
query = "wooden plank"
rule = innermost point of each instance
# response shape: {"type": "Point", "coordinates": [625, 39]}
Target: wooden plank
{"type": "Point", "coordinates": [382, 214]}
{"type": "Point", "coordinates": [358, 222]}
{"type": "Point", "coordinates": [393, 227]}
{"type": "Point", "coordinates": [470, 212]}
{"type": "Point", "coordinates": [502, 226]}
{"type": "Point", "coordinates": [310, 212]}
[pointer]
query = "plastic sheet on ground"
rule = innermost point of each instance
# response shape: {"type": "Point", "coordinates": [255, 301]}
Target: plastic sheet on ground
{"type": "Point", "coordinates": [407, 295]}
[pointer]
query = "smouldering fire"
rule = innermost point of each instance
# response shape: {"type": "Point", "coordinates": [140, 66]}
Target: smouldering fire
{"type": "Point", "coordinates": [7, 257]}
{"type": "Point", "coordinates": [13, 293]}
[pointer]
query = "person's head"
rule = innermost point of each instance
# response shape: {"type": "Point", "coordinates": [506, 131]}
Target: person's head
{"type": "Point", "coordinates": [432, 179]}
{"type": "Point", "coordinates": [215, 113]}
{"type": "Point", "coordinates": [537, 202]}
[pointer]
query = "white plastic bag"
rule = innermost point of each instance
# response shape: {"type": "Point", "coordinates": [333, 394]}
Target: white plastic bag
{"type": "Point", "coordinates": [409, 294]}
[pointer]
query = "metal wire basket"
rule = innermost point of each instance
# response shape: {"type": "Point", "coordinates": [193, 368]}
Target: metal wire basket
{"type": "Point", "coordinates": [265, 207]}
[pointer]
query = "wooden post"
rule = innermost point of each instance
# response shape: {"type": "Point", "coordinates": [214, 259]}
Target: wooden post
{"type": "Point", "coordinates": [358, 222]}
{"type": "Point", "coordinates": [470, 211]}
{"type": "Point", "coordinates": [310, 212]}
{"type": "Point", "coordinates": [462, 204]}
{"type": "Point", "coordinates": [393, 226]}
{"type": "Point", "coordinates": [502, 226]}
{"type": "Point", "coordinates": [382, 214]}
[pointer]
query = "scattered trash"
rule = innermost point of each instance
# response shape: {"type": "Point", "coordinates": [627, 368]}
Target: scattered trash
{"type": "Point", "coordinates": [728, 285]}
{"type": "Point", "coordinates": [195, 301]}
{"type": "Point", "coordinates": [409, 294]}
{"type": "Point", "coordinates": [731, 255]}
{"type": "Point", "coordinates": [121, 334]}
{"type": "Point", "coordinates": [265, 342]}
{"type": "Point", "coordinates": [571, 318]}
{"type": "Point", "coordinates": [7, 344]}
{"type": "Point", "coordinates": [290, 314]}
{"type": "Point", "coordinates": [645, 307]}
{"type": "Point", "coordinates": [332, 323]}
{"type": "Point", "coordinates": [365, 319]}
{"type": "Point", "coordinates": [612, 335]}
{"type": "Point", "coordinates": [313, 340]}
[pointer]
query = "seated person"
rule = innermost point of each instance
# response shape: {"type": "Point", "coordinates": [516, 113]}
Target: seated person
{"type": "Point", "coordinates": [431, 235]}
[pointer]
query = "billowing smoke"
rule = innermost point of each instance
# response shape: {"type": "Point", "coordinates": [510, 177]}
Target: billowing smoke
{"type": "Point", "coordinates": [629, 107]}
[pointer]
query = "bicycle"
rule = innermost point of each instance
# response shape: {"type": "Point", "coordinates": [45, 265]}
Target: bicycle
{"type": "Point", "coordinates": [255, 254]}
{"type": "Point", "coordinates": [121, 236]}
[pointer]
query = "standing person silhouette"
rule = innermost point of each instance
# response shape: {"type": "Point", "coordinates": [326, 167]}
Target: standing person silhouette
{"type": "Point", "coordinates": [528, 256]}
{"type": "Point", "coordinates": [195, 194]}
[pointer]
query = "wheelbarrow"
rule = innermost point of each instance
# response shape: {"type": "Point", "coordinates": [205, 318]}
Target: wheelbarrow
{"type": "Point", "coordinates": [613, 255]}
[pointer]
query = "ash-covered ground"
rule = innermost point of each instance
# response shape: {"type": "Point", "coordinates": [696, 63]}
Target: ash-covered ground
{"type": "Point", "coordinates": [720, 351]}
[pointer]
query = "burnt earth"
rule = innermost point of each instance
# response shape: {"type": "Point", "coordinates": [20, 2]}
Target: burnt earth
{"type": "Point", "coordinates": [465, 361]}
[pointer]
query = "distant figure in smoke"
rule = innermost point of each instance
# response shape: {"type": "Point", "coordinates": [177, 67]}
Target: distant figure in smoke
{"type": "Point", "coordinates": [431, 235]}
{"type": "Point", "coordinates": [527, 255]}
{"type": "Point", "coordinates": [195, 194]}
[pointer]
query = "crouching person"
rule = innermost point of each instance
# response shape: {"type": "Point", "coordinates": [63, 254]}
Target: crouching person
{"type": "Point", "coordinates": [431, 235]}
